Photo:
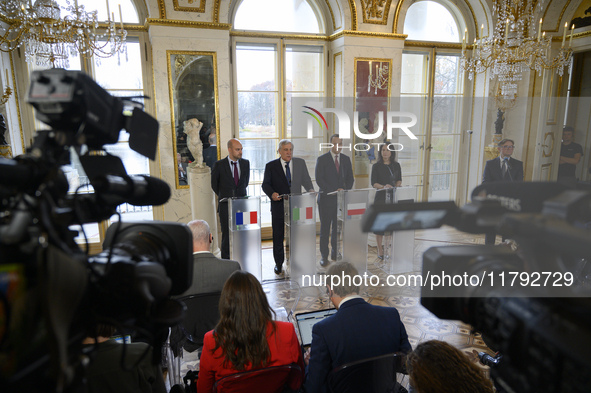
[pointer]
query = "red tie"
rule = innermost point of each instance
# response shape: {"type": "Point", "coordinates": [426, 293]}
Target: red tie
{"type": "Point", "coordinates": [236, 177]}
{"type": "Point", "coordinates": [336, 163]}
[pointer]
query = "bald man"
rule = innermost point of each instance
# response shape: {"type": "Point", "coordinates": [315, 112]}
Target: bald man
{"type": "Point", "coordinates": [229, 178]}
{"type": "Point", "coordinates": [209, 273]}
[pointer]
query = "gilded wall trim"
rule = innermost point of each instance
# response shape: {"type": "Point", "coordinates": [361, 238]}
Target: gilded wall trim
{"type": "Point", "coordinates": [201, 7]}
{"type": "Point", "coordinates": [334, 25]}
{"type": "Point", "coordinates": [369, 34]}
{"type": "Point", "coordinates": [161, 9]}
{"type": "Point", "coordinates": [216, 11]}
{"type": "Point", "coordinates": [432, 44]}
{"type": "Point", "coordinates": [187, 23]}
{"type": "Point", "coordinates": [371, 9]}
{"type": "Point", "coordinates": [250, 34]}
{"type": "Point", "coordinates": [587, 33]}
{"type": "Point", "coordinates": [128, 27]}
{"type": "Point", "coordinates": [342, 33]}
{"type": "Point", "coordinates": [334, 70]}
{"type": "Point", "coordinates": [353, 9]}
{"type": "Point", "coordinates": [18, 107]}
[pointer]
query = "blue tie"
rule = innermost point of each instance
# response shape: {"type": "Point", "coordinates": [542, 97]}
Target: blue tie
{"type": "Point", "coordinates": [288, 173]}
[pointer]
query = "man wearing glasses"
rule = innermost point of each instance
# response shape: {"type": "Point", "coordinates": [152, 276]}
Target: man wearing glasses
{"type": "Point", "coordinates": [504, 167]}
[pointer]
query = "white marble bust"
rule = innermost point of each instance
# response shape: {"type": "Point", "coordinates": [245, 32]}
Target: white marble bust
{"type": "Point", "coordinates": [192, 127]}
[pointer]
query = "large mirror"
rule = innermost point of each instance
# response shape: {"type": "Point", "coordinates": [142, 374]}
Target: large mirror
{"type": "Point", "coordinates": [192, 81]}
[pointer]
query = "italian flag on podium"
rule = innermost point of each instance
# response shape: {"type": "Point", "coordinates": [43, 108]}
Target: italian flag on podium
{"type": "Point", "coordinates": [302, 213]}
{"type": "Point", "coordinates": [245, 218]}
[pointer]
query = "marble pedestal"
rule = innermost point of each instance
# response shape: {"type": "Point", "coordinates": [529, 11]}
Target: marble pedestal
{"type": "Point", "coordinates": [203, 202]}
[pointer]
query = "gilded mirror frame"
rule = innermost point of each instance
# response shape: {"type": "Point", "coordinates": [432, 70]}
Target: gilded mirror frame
{"type": "Point", "coordinates": [191, 73]}
{"type": "Point", "coordinates": [362, 67]}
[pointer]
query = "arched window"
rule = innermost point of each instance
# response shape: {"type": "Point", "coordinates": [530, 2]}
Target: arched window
{"type": "Point", "coordinates": [432, 86]}
{"type": "Point", "coordinates": [431, 21]}
{"type": "Point", "coordinates": [281, 16]}
{"type": "Point", "coordinates": [269, 72]}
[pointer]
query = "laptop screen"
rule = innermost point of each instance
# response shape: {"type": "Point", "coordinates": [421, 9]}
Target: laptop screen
{"type": "Point", "coordinates": [306, 320]}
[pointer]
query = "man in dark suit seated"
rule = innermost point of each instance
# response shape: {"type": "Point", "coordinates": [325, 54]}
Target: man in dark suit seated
{"type": "Point", "coordinates": [357, 331]}
{"type": "Point", "coordinates": [229, 178]}
{"type": "Point", "coordinates": [284, 175]}
{"type": "Point", "coordinates": [209, 273]}
{"type": "Point", "coordinates": [333, 172]}
{"type": "Point", "coordinates": [504, 167]}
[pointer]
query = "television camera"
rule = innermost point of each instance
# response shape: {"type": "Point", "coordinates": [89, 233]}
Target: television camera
{"type": "Point", "coordinates": [52, 293]}
{"type": "Point", "coordinates": [532, 304]}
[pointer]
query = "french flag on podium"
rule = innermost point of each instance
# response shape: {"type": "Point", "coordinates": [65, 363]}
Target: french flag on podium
{"type": "Point", "coordinates": [245, 218]}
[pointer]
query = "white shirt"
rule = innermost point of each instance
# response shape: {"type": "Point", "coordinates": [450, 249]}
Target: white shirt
{"type": "Point", "coordinates": [503, 160]}
{"type": "Point", "coordinates": [232, 166]}
{"type": "Point", "coordinates": [283, 166]}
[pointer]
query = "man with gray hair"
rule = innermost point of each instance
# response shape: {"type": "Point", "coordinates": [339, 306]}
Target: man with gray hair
{"type": "Point", "coordinates": [209, 273]}
{"type": "Point", "coordinates": [285, 175]}
{"type": "Point", "coordinates": [504, 167]}
{"type": "Point", "coordinates": [357, 331]}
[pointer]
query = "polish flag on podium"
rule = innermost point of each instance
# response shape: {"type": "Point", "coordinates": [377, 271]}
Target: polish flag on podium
{"type": "Point", "coordinates": [245, 218]}
{"type": "Point", "coordinates": [356, 209]}
{"type": "Point", "coordinates": [302, 213]}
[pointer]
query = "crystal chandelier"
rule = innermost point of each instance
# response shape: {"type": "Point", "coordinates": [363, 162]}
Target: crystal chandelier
{"type": "Point", "coordinates": [50, 38]}
{"type": "Point", "coordinates": [514, 48]}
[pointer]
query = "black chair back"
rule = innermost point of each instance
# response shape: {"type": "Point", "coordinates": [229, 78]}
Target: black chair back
{"type": "Point", "coordinates": [372, 375]}
{"type": "Point", "coordinates": [202, 316]}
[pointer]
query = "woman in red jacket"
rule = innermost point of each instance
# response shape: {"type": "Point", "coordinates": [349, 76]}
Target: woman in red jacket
{"type": "Point", "coordinates": [246, 337]}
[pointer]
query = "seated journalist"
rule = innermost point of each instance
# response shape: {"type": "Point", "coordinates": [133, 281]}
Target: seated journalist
{"type": "Point", "coordinates": [246, 337]}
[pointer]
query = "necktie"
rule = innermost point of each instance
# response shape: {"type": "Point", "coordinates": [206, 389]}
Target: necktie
{"type": "Point", "coordinates": [336, 163]}
{"type": "Point", "coordinates": [505, 171]}
{"type": "Point", "coordinates": [288, 173]}
{"type": "Point", "coordinates": [236, 177]}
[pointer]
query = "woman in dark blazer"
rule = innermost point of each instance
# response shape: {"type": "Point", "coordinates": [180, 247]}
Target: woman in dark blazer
{"type": "Point", "coordinates": [246, 337]}
{"type": "Point", "coordinates": [385, 175]}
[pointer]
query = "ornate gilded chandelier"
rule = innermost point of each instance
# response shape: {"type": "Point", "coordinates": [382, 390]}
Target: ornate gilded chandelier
{"type": "Point", "coordinates": [50, 38]}
{"type": "Point", "coordinates": [514, 48]}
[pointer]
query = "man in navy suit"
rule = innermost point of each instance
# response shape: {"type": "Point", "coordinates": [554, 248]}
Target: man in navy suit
{"type": "Point", "coordinates": [229, 178]}
{"type": "Point", "coordinates": [284, 175]}
{"type": "Point", "coordinates": [357, 331]}
{"type": "Point", "coordinates": [504, 167]}
{"type": "Point", "coordinates": [333, 172]}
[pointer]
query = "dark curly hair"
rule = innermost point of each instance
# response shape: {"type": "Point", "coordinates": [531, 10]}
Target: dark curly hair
{"type": "Point", "coordinates": [244, 316]}
{"type": "Point", "coordinates": [437, 367]}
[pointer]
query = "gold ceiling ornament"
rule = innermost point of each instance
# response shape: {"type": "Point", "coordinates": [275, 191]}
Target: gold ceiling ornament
{"type": "Point", "coordinates": [50, 33]}
{"type": "Point", "coordinates": [516, 45]}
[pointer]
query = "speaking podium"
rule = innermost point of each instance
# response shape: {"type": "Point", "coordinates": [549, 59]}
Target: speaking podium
{"type": "Point", "coordinates": [352, 241]}
{"type": "Point", "coordinates": [399, 245]}
{"type": "Point", "coordinates": [300, 232]}
{"type": "Point", "coordinates": [244, 219]}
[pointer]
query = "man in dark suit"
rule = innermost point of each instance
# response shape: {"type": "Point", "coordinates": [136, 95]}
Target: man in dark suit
{"type": "Point", "coordinates": [504, 167]}
{"type": "Point", "coordinates": [210, 153]}
{"type": "Point", "coordinates": [357, 331]}
{"type": "Point", "coordinates": [333, 172]}
{"type": "Point", "coordinates": [209, 273]}
{"type": "Point", "coordinates": [229, 178]}
{"type": "Point", "coordinates": [284, 175]}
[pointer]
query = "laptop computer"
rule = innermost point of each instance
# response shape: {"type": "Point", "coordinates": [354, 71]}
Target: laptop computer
{"type": "Point", "coordinates": [306, 320]}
